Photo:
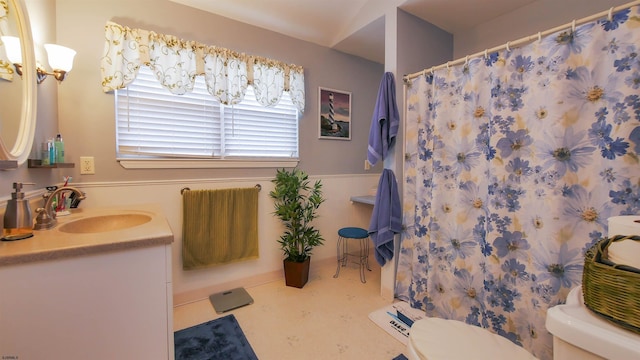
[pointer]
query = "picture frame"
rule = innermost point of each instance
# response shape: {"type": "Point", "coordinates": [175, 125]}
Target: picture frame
{"type": "Point", "coordinates": [334, 114]}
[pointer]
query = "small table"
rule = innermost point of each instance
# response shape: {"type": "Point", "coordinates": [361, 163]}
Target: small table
{"type": "Point", "coordinates": [364, 199]}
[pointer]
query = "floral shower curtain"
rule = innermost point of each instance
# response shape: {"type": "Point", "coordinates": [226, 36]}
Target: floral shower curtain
{"type": "Point", "coordinates": [513, 164]}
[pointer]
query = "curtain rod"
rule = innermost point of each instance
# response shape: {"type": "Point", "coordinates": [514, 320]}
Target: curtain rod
{"type": "Point", "coordinates": [572, 25]}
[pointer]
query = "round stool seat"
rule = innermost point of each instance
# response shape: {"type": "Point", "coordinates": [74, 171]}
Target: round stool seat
{"type": "Point", "coordinates": [353, 233]}
{"type": "Point", "coordinates": [439, 339]}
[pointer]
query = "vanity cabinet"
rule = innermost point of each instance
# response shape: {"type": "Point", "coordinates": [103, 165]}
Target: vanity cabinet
{"type": "Point", "coordinates": [111, 305]}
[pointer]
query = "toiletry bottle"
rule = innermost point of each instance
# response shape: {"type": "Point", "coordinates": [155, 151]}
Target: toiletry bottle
{"type": "Point", "coordinates": [59, 148]}
{"type": "Point", "coordinates": [45, 153]}
{"type": "Point", "coordinates": [18, 222]}
{"type": "Point", "coordinates": [52, 151]}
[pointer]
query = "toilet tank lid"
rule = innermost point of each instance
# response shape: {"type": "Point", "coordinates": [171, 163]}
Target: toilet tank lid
{"type": "Point", "coordinates": [574, 323]}
{"type": "Point", "coordinates": [439, 339]}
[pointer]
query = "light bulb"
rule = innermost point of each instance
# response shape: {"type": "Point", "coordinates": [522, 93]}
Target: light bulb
{"type": "Point", "coordinates": [60, 57]}
{"type": "Point", "coordinates": [13, 49]}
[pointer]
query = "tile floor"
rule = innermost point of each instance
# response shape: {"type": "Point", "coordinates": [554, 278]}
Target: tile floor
{"type": "Point", "coordinates": [327, 319]}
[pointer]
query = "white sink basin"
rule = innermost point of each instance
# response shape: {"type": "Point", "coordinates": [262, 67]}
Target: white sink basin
{"type": "Point", "coordinates": [104, 223]}
{"type": "Point", "coordinates": [577, 325]}
{"type": "Point", "coordinates": [95, 230]}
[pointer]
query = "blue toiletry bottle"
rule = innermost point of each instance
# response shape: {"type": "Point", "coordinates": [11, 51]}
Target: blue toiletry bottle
{"type": "Point", "coordinates": [52, 151]}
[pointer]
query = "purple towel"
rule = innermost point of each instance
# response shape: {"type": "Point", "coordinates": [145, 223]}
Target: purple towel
{"type": "Point", "coordinates": [386, 219]}
{"type": "Point", "coordinates": [385, 121]}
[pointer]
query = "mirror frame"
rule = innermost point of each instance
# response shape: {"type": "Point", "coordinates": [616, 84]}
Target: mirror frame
{"type": "Point", "coordinates": [27, 129]}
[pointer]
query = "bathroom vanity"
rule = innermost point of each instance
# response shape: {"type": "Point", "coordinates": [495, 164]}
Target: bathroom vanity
{"type": "Point", "coordinates": [97, 286]}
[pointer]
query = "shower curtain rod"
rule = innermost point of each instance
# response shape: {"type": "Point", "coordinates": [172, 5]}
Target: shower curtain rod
{"type": "Point", "coordinates": [538, 36]}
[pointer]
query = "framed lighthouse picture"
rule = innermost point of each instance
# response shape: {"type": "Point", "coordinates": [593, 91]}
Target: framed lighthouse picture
{"type": "Point", "coordinates": [334, 120]}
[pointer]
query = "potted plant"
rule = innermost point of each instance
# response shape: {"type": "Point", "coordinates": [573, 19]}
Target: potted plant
{"type": "Point", "coordinates": [296, 203]}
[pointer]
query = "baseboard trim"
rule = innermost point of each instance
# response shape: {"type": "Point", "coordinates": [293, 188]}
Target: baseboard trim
{"type": "Point", "coordinates": [260, 279]}
{"type": "Point", "coordinates": [203, 293]}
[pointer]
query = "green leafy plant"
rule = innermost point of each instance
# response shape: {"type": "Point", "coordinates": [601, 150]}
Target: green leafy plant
{"type": "Point", "coordinates": [296, 203]}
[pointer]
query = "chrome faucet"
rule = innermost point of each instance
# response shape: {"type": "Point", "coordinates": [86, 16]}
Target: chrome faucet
{"type": "Point", "coordinates": [46, 218]}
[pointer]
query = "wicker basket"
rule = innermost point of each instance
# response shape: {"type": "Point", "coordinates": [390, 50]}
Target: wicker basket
{"type": "Point", "coordinates": [611, 290]}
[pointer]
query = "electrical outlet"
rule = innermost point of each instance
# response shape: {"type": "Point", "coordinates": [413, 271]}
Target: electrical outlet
{"type": "Point", "coordinates": [87, 167]}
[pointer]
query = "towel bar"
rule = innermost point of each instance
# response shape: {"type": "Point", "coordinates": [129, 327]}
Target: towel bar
{"type": "Point", "coordinates": [257, 186]}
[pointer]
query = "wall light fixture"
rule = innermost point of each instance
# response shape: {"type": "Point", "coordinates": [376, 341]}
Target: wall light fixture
{"type": "Point", "coordinates": [60, 58]}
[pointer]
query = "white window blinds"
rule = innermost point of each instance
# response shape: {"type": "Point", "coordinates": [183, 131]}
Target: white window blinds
{"type": "Point", "coordinates": [153, 123]}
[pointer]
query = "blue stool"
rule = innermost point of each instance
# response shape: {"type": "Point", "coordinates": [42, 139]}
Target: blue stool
{"type": "Point", "coordinates": [362, 256]}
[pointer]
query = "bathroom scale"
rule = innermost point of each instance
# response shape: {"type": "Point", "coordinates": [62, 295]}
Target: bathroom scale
{"type": "Point", "coordinates": [230, 299]}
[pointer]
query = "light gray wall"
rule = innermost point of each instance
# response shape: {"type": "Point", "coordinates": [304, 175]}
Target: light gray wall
{"type": "Point", "coordinates": [421, 44]}
{"type": "Point", "coordinates": [415, 44]}
{"type": "Point", "coordinates": [86, 117]}
{"type": "Point", "coordinates": [87, 114]}
{"type": "Point", "coordinates": [86, 121]}
{"type": "Point", "coordinates": [537, 16]}
{"type": "Point", "coordinates": [43, 32]}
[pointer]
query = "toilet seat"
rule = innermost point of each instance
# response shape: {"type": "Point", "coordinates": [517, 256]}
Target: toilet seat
{"type": "Point", "coordinates": [439, 339]}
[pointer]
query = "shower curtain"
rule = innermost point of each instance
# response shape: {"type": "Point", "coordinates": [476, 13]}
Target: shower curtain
{"type": "Point", "coordinates": [513, 163]}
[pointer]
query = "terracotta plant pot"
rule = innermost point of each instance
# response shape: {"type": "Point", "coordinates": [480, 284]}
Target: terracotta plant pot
{"type": "Point", "coordinates": [296, 274]}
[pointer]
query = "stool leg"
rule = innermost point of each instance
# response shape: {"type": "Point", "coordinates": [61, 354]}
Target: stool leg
{"type": "Point", "coordinates": [363, 259]}
{"type": "Point", "coordinates": [366, 241]}
{"type": "Point", "coordinates": [338, 256]}
{"type": "Point", "coordinates": [345, 251]}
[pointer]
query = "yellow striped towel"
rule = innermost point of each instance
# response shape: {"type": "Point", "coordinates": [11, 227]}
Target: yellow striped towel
{"type": "Point", "coordinates": [219, 226]}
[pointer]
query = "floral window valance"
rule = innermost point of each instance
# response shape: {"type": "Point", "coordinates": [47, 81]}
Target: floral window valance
{"type": "Point", "coordinates": [176, 63]}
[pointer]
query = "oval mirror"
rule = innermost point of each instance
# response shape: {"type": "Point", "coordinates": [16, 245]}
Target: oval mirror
{"type": "Point", "coordinates": [17, 126]}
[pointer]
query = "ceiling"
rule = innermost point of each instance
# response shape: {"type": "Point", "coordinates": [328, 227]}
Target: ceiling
{"type": "Point", "coordinates": [353, 26]}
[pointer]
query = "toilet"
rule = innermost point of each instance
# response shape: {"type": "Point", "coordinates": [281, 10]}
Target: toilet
{"type": "Point", "coordinates": [578, 333]}
{"type": "Point", "coordinates": [441, 339]}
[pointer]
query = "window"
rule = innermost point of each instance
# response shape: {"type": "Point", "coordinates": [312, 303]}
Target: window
{"type": "Point", "coordinates": [154, 124]}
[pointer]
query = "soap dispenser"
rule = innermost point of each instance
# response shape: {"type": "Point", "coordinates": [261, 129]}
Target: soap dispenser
{"type": "Point", "coordinates": [18, 223]}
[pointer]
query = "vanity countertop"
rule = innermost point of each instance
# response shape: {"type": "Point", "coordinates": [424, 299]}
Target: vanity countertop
{"type": "Point", "coordinates": [54, 244]}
